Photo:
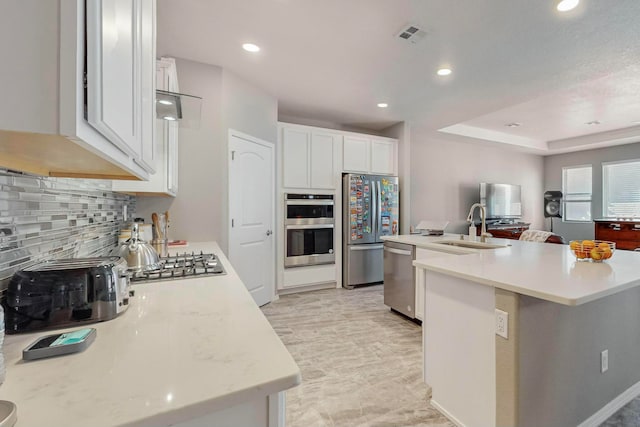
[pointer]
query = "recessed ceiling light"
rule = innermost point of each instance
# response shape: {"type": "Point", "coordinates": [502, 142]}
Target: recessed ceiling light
{"type": "Point", "coordinates": [169, 118]}
{"type": "Point", "coordinates": [250, 47]}
{"type": "Point", "coordinates": [383, 105]}
{"type": "Point", "coordinates": [592, 122]}
{"type": "Point", "coordinates": [165, 102]}
{"type": "Point", "coordinates": [513, 124]}
{"type": "Point", "coordinates": [444, 71]}
{"type": "Point", "coordinates": [567, 5]}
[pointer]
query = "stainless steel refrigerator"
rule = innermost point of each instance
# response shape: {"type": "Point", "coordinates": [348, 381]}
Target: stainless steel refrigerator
{"type": "Point", "coordinates": [371, 210]}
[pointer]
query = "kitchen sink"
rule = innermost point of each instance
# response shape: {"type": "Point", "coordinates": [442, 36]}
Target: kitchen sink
{"type": "Point", "coordinates": [469, 244]}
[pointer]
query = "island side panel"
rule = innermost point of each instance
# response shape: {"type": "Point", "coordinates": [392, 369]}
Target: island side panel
{"type": "Point", "coordinates": [459, 348]}
{"type": "Point", "coordinates": [507, 360]}
{"type": "Point", "coordinates": [560, 347]}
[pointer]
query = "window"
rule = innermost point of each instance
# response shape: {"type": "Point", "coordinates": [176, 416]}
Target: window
{"type": "Point", "coordinates": [576, 189]}
{"type": "Point", "coordinates": [621, 189]}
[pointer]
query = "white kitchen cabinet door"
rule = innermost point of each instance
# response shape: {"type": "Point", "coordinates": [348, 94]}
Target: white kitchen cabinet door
{"type": "Point", "coordinates": [113, 72]}
{"type": "Point", "coordinates": [296, 146]}
{"type": "Point", "coordinates": [383, 157]}
{"type": "Point", "coordinates": [322, 162]}
{"type": "Point", "coordinates": [146, 32]}
{"type": "Point", "coordinates": [356, 154]}
{"type": "Point", "coordinates": [165, 179]}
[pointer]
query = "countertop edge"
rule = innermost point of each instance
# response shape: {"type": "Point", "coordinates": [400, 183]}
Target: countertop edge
{"type": "Point", "coordinates": [201, 409]}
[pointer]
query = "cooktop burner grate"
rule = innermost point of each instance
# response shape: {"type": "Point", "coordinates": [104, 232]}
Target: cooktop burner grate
{"type": "Point", "coordinates": [183, 267]}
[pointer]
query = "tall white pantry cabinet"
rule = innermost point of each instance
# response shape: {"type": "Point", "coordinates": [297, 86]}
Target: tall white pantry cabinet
{"type": "Point", "coordinates": [81, 77]}
{"type": "Point", "coordinates": [312, 160]}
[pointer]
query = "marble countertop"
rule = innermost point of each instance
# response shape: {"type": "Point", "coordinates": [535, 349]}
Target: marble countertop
{"type": "Point", "coordinates": [183, 349]}
{"type": "Point", "coordinates": [541, 270]}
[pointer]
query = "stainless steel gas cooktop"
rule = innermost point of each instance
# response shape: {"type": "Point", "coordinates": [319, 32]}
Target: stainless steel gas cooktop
{"type": "Point", "coordinates": [183, 266]}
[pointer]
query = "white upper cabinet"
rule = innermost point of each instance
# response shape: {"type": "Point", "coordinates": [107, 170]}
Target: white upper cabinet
{"type": "Point", "coordinates": [383, 157]}
{"type": "Point", "coordinates": [148, 83]}
{"type": "Point", "coordinates": [296, 146]}
{"type": "Point", "coordinates": [113, 78]}
{"type": "Point", "coordinates": [323, 159]}
{"type": "Point", "coordinates": [309, 157]}
{"type": "Point", "coordinates": [356, 155]}
{"type": "Point", "coordinates": [164, 182]}
{"type": "Point", "coordinates": [366, 154]}
{"type": "Point", "coordinates": [86, 79]}
{"type": "Point", "coordinates": [121, 74]}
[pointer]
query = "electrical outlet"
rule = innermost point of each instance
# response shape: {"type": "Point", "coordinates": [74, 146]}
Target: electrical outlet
{"type": "Point", "coordinates": [604, 361]}
{"type": "Point", "coordinates": [502, 323]}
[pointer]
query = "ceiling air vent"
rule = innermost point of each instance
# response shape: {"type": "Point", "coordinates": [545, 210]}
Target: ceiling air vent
{"type": "Point", "coordinates": [411, 33]}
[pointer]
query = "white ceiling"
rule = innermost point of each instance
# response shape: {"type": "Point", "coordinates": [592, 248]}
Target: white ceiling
{"type": "Point", "coordinates": [513, 61]}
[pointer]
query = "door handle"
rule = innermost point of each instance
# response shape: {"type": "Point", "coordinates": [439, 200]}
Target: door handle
{"type": "Point", "coordinates": [398, 251]}
{"type": "Point", "coordinates": [269, 232]}
{"type": "Point", "coordinates": [365, 247]}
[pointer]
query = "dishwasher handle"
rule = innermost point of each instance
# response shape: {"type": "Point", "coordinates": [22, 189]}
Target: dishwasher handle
{"type": "Point", "coordinates": [399, 251]}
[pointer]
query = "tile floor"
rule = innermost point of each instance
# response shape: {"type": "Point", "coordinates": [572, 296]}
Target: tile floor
{"type": "Point", "coordinates": [360, 363]}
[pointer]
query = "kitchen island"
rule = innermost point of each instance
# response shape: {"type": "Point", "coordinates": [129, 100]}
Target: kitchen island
{"type": "Point", "coordinates": [569, 355]}
{"type": "Point", "coordinates": [187, 352]}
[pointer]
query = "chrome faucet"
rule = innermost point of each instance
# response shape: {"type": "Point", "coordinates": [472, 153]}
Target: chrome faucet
{"type": "Point", "coordinates": [483, 214]}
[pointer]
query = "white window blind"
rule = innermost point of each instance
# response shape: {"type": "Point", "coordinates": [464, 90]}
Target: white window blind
{"type": "Point", "coordinates": [621, 189]}
{"type": "Point", "coordinates": [576, 191]}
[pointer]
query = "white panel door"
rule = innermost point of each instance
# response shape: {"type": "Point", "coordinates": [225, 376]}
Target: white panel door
{"type": "Point", "coordinates": [355, 154]}
{"type": "Point", "coordinates": [383, 157]}
{"type": "Point", "coordinates": [295, 158]}
{"type": "Point", "coordinates": [113, 91]}
{"type": "Point", "coordinates": [251, 213]}
{"type": "Point", "coordinates": [322, 160]}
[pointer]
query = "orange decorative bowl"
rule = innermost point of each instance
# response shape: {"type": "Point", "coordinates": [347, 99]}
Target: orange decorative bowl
{"type": "Point", "coordinates": [592, 250]}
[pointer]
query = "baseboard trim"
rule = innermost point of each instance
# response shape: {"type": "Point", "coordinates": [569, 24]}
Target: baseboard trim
{"type": "Point", "coordinates": [305, 288]}
{"type": "Point", "coordinates": [447, 414]}
{"type": "Point", "coordinates": [612, 407]}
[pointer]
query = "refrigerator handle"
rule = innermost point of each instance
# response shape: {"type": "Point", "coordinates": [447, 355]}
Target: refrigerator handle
{"type": "Point", "coordinates": [374, 211]}
{"type": "Point", "coordinates": [379, 216]}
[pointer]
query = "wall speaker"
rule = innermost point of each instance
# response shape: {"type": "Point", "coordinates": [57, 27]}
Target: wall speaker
{"type": "Point", "coordinates": [552, 204]}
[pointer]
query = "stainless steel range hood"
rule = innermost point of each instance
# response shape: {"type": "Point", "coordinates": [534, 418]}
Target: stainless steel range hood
{"type": "Point", "coordinates": [173, 106]}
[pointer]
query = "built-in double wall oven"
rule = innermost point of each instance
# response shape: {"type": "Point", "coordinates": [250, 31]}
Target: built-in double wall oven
{"type": "Point", "coordinates": [309, 223]}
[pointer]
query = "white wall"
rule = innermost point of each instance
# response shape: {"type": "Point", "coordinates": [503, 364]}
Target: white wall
{"type": "Point", "coordinates": [445, 177]}
{"type": "Point", "coordinates": [402, 132]}
{"type": "Point", "coordinates": [199, 212]}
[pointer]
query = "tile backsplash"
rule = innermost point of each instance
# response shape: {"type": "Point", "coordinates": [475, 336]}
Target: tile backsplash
{"type": "Point", "coordinates": [44, 218]}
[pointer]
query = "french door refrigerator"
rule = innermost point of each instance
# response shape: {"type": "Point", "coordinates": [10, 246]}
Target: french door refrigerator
{"type": "Point", "coordinates": [370, 206]}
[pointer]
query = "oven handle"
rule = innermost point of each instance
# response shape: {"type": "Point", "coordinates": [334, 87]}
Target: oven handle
{"type": "Point", "coordinates": [307, 226]}
{"type": "Point", "coordinates": [309, 202]}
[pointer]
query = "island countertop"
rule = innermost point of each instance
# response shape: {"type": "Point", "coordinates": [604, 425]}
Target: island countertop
{"type": "Point", "coordinates": [542, 270]}
{"type": "Point", "coordinates": [183, 349]}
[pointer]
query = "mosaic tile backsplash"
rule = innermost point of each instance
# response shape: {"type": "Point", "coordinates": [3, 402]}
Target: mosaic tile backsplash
{"type": "Point", "coordinates": [45, 218]}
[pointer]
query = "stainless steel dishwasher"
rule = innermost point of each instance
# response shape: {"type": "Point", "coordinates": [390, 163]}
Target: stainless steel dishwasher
{"type": "Point", "coordinates": [400, 278]}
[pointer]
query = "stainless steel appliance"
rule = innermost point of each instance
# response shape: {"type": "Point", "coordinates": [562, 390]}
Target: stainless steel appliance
{"type": "Point", "coordinates": [185, 266]}
{"type": "Point", "coordinates": [139, 255]}
{"type": "Point", "coordinates": [371, 210]}
{"type": "Point", "coordinates": [309, 229]}
{"type": "Point", "coordinates": [400, 278]}
{"type": "Point", "coordinates": [66, 292]}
